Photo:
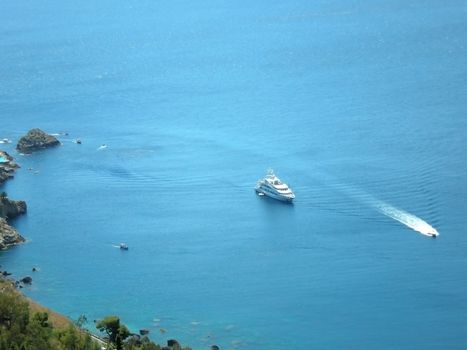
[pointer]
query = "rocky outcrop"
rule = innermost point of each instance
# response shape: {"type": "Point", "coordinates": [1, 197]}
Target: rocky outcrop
{"type": "Point", "coordinates": [10, 209]}
{"type": "Point", "coordinates": [35, 140]}
{"type": "Point", "coordinates": [8, 235]}
{"type": "Point", "coordinates": [7, 166]}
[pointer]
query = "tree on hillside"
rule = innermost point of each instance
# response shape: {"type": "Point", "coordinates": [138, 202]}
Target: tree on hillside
{"type": "Point", "coordinates": [111, 325]}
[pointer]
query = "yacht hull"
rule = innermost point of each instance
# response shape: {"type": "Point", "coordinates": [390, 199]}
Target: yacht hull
{"type": "Point", "coordinates": [274, 196]}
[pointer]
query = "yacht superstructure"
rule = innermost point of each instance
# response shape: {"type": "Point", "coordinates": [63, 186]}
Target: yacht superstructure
{"type": "Point", "coordinates": [273, 187]}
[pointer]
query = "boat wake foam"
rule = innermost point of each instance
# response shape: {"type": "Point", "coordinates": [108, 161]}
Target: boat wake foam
{"type": "Point", "coordinates": [354, 193]}
{"type": "Point", "coordinates": [414, 222]}
{"type": "Point", "coordinates": [409, 220]}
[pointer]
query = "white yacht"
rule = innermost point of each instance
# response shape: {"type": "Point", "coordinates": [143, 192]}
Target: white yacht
{"type": "Point", "coordinates": [273, 187]}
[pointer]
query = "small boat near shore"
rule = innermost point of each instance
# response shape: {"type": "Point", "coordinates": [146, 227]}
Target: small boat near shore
{"type": "Point", "coordinates": [273, 187]}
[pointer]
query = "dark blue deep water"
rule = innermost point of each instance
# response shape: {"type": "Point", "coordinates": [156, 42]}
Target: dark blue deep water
{"type": "Point", "coordinates": [360, 106]}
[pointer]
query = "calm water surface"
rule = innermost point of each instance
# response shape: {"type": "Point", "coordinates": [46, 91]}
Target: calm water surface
{"type": "Point", "coordinates": [358, 105]}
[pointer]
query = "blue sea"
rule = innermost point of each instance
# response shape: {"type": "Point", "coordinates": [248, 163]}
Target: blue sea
{"type": "Point", "coordinates": [360, 106]}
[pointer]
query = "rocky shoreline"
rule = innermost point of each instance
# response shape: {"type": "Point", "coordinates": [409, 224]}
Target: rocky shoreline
{"type": "Point", "coordinates": [34, 140]}
{"type": "Point", "coordinates": [9, 209]}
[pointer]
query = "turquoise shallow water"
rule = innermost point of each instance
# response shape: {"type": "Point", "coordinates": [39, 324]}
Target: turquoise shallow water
{"type": "Point", "coordinates": [358, 105]}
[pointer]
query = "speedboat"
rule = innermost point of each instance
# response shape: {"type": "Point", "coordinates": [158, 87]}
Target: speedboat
{"type": "Point", "coordinates": [273, 187]}
{"type": "Point", "coordinates": [123, 246]}
{"type": "Point", "coordinates": [432, 232]}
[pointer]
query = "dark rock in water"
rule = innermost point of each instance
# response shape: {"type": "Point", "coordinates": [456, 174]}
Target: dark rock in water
{"type": "Point", "coordinates": [34, 269]}
{"type": "Point", "coordinates": [26, 280]}
{"type": "Point", "coordinates": [144, 331]}
{"type": "Point", "coordinates": [35, 140]}
{"type": "Point", "coordinates": [5, 273]}
{"type": "Point", "coordinates": [214, 347]}
{"type": "Point", "coordinates": [172, 342]}
{"type": "Point", "coordinates": [8, 236]}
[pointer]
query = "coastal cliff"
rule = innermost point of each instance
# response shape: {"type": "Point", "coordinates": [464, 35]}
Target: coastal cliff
{"type": "Point", "coordinates": [8, 235]}
{"type": "Point", "coordinates": [36, 140]}
{"type": "Point", "coordinates": [9, 209]}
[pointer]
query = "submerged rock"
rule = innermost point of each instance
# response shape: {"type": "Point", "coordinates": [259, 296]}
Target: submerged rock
{"type": "Point", "coordinates": [8, 235]}
{"type": "Point", "coordinates": [35, 140]}
{"type": "Point", "coordinates": [144, 331]}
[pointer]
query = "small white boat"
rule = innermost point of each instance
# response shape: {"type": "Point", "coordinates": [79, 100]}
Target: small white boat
{"type": "Point", "coordinates": [273, 187]}
{"type": "Point", "coordinates": [123, 246]}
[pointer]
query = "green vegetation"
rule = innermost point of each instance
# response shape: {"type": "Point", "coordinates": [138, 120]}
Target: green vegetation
{"type": "Point", "coordinates": [21, 329]}
{"type": "Point", "coordinates": [25, 325]}
{"type": "Point", "coordinates": [116, 332]}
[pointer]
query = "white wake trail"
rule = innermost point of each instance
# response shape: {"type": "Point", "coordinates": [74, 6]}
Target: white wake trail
{"type": "Point", "coordinates": [407, 219]}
